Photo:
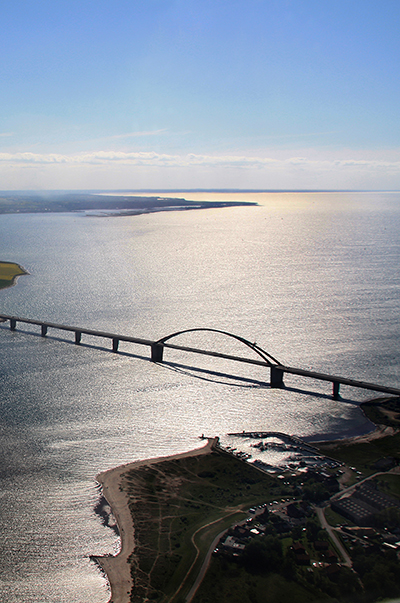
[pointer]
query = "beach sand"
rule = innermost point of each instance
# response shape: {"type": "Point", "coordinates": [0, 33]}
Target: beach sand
{"type": "Point", "coordinates": [117, 567]}
{"type": "Point", "coordinates": [381, 431]}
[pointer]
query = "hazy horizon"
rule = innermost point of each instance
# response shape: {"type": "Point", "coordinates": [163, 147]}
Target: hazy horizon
{"type": "Point", "coordinates": [173, 94]}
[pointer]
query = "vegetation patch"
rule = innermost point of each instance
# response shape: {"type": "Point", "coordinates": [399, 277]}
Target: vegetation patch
{"type": "Point", "coordinates": [178, 508]}
{"type": "Point", "coordinates": [9, 272]}
{"type": "Point", "coordinates": [384, 411]}
{"type": "Point", "coordinates": [364, 455]}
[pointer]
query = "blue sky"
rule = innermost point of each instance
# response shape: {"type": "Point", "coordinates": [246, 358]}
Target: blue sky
{"type": "Point", "coordinates": [200, 94]}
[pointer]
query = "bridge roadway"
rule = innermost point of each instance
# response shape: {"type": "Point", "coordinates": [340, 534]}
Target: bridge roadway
{"type": "Point", "coordinates": [157, 349]}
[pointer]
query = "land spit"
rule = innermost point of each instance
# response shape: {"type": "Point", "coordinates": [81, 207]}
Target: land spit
{"type": "Point", "coordinates": [118, 568]}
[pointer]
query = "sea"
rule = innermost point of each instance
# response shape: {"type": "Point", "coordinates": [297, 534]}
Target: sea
{"type": "Point", "coordinates": [312, 278]}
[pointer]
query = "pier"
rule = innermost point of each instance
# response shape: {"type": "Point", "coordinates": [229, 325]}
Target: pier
{"type": "Point", "coordinates": [157, 348]}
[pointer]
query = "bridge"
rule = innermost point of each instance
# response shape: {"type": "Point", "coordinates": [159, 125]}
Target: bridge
{"type": "Point", "coordinates": [277, 370]}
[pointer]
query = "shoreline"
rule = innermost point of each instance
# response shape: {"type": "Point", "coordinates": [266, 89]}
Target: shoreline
{"type": "Point", "coordinates": [116, 567]}
{"type": "Point", "coordinates": [9, 274]}
{"type": "Point", "coordinates": [380, 431]}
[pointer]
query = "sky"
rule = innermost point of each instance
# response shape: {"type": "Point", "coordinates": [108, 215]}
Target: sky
{"type": "Point", "coordinates": [175, 94]}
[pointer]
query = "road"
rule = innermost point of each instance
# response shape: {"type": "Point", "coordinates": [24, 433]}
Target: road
{"type": "Point", "coordinates": [325, 525]}
{"type": "Point", "coordinates": [204, 567]}
{"type": "Point", "coordinates": [206, 561]}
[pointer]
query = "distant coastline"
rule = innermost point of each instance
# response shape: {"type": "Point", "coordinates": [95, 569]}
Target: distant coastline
{"type": "Point", "coordinates": [102, 204]}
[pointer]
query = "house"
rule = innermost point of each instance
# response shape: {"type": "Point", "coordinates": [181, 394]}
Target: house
{"type": "Point", "coordinates": [356, 510]}
{"type": "Point", "coordinates": [301, 555]}
{"type": "Point", "coordinates": [330, 556]}
{"type": "Point", "coordinates": [232, 545]}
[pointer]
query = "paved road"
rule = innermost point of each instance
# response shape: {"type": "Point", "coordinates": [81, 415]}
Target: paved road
{"type": "Point", "coordinates": [321, 516]}
{"type": "Point", "coordinates": [204, 567]}
{"type": "Point", "coordinates": [206, 561]}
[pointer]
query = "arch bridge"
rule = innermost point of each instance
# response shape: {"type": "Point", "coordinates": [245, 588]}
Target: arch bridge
{"type": "Point", "coordinates": [277, 370]}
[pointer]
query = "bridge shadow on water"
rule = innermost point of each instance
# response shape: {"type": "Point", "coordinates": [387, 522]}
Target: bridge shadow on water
{"type": "Point", "coordinates": [244, 382]}
{"type": "Point", "coordinates": [203, 374]}
{"type": "Point", "coordinates": [90, 346]}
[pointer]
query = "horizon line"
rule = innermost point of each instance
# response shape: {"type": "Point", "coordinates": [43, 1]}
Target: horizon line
{"type": "Point", "coordinates": [200, 190]}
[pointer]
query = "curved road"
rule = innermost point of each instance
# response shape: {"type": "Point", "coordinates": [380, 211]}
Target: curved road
{"type": "Point", "coordinates": [204, 567]}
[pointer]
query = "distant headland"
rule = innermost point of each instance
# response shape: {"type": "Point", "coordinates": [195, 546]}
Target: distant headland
{"type": "Point", "coordinates": [9, 272]}
{"type": "Point", "coordinates": [100, 204]}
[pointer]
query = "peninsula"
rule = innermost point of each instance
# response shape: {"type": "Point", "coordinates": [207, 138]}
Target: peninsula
{"type": "Point", "coordinates": [203, 525]}
{"type": "Point", "coordinates": [9, 272]}
{"type": "Point", "coordinates": [100, 204]}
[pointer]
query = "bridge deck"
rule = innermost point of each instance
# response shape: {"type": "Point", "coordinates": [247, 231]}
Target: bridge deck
{"type": "Point", "coordinates": [159, 346]}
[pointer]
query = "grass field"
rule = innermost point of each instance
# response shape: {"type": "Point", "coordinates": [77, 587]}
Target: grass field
{"type": "Point", "coordinates": [178, 508]}
{"type": "Point", "coordinates": [8, 273]}
{"type": "Point", "coordinates": [364, 455]}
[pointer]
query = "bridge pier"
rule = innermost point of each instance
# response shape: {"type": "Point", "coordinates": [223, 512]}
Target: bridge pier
{"type": "Point", "coordinates": [78, 336]}
{"type": "Point", "coordinates": [336, 389]}
{"type": "Point", "coordinates": [115, 343]}
{"type": "Point", "coordinates": [157, 352]}
{"type": "Point", "coordinates": [276, 377]}
{"type": "Point", "coordinates": [13, 324]}
{"type": "Point", "coordinates": [43, 330]}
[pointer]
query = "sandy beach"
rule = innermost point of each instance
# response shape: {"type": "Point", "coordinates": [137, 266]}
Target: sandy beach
{"type": "Point", "coordinates": [117, 567]}
{"type": "Point", "coordinates": [381, 431]}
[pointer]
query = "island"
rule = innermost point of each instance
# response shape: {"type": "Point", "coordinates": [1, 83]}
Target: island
{"type": "Point", "coordinates": [9, 272]}
{"type": "Point", "coordinates": [211, 525]}
{"type": "Point", "coordinates": [101, 204]}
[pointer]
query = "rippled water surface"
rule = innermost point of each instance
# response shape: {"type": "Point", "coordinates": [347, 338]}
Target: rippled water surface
{"type": "Point", "coordinates": [313, 278]}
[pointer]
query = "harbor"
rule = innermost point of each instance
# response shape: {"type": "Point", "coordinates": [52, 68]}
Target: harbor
{"type": "Point", "coordinates": [276, 452]}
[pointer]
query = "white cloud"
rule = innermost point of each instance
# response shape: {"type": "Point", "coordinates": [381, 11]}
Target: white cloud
{"type": "Point", "coordinates": [153, 159]}
{"type": "Point", "coordinates": [306, 168]}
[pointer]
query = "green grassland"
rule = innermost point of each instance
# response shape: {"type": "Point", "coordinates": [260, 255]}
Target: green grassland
{"type": "Point", "coordinates": [9, 272]}
{"type": "Point", "coordinates": [178, 508]}
{"type": "Point", "coordinates": [364, 455]}
{"type": "Point", "coordinates": [226, 581]}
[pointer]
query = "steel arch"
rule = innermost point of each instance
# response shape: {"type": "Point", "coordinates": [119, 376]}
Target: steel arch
{"type": "Point", "coordinates": [270, 360]}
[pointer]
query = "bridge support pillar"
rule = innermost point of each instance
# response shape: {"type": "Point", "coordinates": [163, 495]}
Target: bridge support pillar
{"type": "Point", "coordinates": [157, 352]}
{"type": "Point", "coordinates": [44, 330]}
{"type": "Point", "coordinates": [13, 324]}
{"type": "Point", "coordinates": [276, 377]}
{"type": "Point", "coordinates": [115, 344]}
{"type": "Point", "coordinates": [336, 389]}
{"type": "Point", "coordinates": [78, 336]}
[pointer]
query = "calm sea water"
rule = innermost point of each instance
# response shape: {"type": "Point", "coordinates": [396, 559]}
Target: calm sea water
{"type": "Point", "coordinates": [313, 278]}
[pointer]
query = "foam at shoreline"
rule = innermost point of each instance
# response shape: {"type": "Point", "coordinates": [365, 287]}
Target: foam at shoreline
{"type": "Point", "coordinates": [117, 568]}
